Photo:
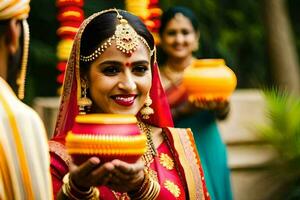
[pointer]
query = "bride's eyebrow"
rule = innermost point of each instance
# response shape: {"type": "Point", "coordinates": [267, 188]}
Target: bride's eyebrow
{"type": "Point", "coordinates": [140, 62]}
{"type": "Point", "coordinates": [111, 62]}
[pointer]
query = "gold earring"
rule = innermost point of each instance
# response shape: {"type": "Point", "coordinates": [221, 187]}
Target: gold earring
{"type": "Point", "coordinates": [22, 76]}
{"type": "Point", "coordinates": [147, 110]}
{"type": "Point", "coordinates": [84, 102]}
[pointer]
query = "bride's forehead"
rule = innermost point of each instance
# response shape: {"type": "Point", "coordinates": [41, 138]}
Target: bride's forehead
{"type": "Point", "coordinates": [112, 51]}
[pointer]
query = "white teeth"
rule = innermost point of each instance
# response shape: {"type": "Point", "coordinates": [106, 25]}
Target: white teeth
{"type": "Point", "coordinates": [124, 98]}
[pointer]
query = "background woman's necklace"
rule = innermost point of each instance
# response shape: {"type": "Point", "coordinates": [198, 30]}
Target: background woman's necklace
{"type": "Point", "coordinates": [151, 152]}
{"type": "Point", "coordinates": [172, 76]}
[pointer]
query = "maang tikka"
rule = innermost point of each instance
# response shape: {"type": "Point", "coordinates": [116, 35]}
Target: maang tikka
{"type": "Point", "coordinates": [125, 37]}
{"type": "Point", "coordinates": [146, 111]}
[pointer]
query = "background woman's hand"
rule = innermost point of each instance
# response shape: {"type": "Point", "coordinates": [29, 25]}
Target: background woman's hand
{"type": "Point", "coordinates": [220, 108]}
{"type": "Point", "coordinates": [126, 176]}
{"type": "Point", "coordinates": [211, 104]}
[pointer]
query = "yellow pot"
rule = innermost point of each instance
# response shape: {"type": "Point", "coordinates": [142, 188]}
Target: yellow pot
{"type": "Point", "coordinates": [209, 79]}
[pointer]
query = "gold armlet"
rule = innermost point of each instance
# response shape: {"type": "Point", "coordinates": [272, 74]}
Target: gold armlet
{"type": "Point", "coordinates": [74, 193]}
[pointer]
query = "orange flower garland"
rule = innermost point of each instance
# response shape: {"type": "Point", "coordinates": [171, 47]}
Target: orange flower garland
{"type": "Point", "coordinates": [70, 16]}
{"type": "Point", "coordinates": [149, 12]}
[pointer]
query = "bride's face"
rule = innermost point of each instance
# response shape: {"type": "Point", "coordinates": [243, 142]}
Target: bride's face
{"type": "Point", "coordinates": [119, 83]}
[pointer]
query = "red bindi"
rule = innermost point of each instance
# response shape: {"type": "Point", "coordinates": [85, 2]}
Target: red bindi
{"type": "Point", "coordinates": [127, 64]}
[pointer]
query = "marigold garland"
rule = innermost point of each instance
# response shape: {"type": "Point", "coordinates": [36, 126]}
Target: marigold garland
{"type": "Point", "coordinates": [70, 16]}
{"type": "Point", "coordinates": [149, 12]}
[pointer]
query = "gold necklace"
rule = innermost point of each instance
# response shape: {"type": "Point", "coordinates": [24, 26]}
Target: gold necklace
{"type": "Point", "coordinates": [151, 152]}
{"type": "Point", "coordinates": [174, 77]}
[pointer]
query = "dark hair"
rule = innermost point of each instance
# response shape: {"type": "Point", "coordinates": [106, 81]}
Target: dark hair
{"type": "Point", "coordinates": [171, 12]}
{"type": "Point", "coordinates": [3, 26]}
{"type": "Point", "coordinates": [14, 61]}
{"type": "Point", "coordinates": [102, 27]}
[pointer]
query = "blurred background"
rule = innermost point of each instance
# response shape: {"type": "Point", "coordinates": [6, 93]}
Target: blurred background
{"type": "Point", "coordinates": [235, 30]}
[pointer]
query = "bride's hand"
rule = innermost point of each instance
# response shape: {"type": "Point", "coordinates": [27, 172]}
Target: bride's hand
{"type": "Point", "coordinates": [126, 177]}
{"type": "Point", "coordinates": [91, 173]}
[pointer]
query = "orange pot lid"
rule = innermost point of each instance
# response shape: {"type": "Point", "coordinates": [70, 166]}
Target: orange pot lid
{"type": "Point", "coordinates": [208, 62]}
{"type": "Point", "coordinates": [106, 119]}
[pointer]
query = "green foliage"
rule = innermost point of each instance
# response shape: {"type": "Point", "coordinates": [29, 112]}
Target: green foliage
{"type": "Point", "coordinates": [282, 131]}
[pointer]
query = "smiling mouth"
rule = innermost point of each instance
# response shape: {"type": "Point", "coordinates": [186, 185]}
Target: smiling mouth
{"type": "Point", "coordinates": [124, 100]}
{"type": "Point", "coordinates": [179, 48]}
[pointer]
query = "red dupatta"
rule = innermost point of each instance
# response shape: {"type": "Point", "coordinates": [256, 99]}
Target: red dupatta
{"type": "Point", "coordinates": [72, 89]}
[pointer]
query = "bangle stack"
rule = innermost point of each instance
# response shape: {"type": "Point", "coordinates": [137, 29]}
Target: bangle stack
{"type": "Point", "coordinates": [149, 190]}
{"type": "Point", "coordinates": [74, 193]}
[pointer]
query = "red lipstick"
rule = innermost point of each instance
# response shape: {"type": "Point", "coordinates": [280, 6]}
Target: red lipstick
{"type": "Point", "coordinates": [124, 100]}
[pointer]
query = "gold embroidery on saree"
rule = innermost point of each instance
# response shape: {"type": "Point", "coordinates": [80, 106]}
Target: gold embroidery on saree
{"type": "Point", "coordinates": [166, 161]}
{"type": "Point", "coordinates": [172, 187]}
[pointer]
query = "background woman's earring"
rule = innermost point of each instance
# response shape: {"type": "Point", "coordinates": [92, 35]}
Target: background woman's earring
{"type": "Point", "coordinates": [147, 110]}
{"type": "Point", "coordinates": [84, 102]}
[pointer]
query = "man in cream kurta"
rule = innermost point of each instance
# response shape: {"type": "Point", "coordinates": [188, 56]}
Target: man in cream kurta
{"type": "Point", "coordinates": [24, 158]}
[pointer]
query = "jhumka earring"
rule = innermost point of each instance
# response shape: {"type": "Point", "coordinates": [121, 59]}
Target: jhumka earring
{"type": "Point", "coordinates": [147, 110]}
{"type": "Point", "coordinates": [84, 102]}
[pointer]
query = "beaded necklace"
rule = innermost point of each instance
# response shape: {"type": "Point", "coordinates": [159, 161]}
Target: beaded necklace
{"type": "Point", "coordinates": [151, 152]}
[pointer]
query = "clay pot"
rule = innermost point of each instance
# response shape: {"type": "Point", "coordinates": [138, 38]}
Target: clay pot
{"type": "Point", "coordinates": [209, 79]}
{"type": "Point", "coordinates": [107, 136]}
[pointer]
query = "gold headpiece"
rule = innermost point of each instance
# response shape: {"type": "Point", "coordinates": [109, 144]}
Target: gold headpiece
{"type": "Point", "coordinates": [18, 9]}
{"type": "Point", "coordinates": [126, 39]}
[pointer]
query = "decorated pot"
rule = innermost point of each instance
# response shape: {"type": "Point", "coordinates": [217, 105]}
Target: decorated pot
{"type": "Point", "coordinates": [210, 80]}
{"type": "Point", "coordinates": [107, 136]}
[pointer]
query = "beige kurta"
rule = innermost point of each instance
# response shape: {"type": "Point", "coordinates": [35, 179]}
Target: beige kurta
{"type": "Point", "coordinates": [24, 158]}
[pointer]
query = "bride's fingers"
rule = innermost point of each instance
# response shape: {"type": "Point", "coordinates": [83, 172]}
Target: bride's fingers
{"type": "Point", "coordinates": [88, 166]}
{"type": "Point", "coordinates": [128, 168]}
{"type": "Point", "coordinates": [103, 170]}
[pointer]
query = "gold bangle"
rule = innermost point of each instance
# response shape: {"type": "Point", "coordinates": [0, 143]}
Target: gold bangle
{"type": "Point", "coordinates": [66, 191]}
{"type": "Point", "coordinates": [150, 191]}
{"type": "Point", "coordinates": [71, 191]}
{"type": "Point", "coordinates": [156, 190]}
{"type": "Point", "coordinates": [74, 187]}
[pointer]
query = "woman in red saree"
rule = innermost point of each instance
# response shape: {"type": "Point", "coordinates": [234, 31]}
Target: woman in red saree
{"type": "Point", "coordinates": [113, 63]}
